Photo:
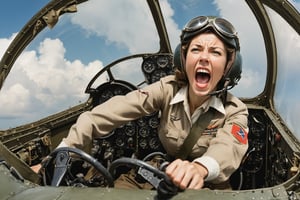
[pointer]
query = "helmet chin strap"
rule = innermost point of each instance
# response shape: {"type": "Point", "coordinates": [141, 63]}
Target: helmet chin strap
{"type": "Point", "coordinates": [221, 93]}
{"type": "Point", "coordinates": [218, 92]}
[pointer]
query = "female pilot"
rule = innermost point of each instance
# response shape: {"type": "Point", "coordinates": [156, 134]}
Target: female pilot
{"type": "Point", "coordinates": [208, 63]}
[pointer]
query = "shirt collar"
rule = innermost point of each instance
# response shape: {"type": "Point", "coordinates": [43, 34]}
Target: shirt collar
{"type": "Point", "coordinates": [179, 96]}
{"type": "Point", "coordinates": [213, 102]}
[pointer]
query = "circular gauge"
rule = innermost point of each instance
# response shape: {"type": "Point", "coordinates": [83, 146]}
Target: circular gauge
{"type": "Point", "coordinates": [106, 94]}
{"type": "Point", "coordinates": [149, 66]}
{"type": "Point", "coordinates": [154, 122]}
{"type": "Point", "coordinates": [118, 91]}
{"type": "Point", "coordinates": [143, 143]}
{"type": "Point", "coordinates": [130, 142]}
{"type": "Point", "coordinates": [157, 75]}
{"type": "Point", "coordinates": [141, 122]}
{"type": "Point", "coordinates": [120, 142]}
{"type": "Point", "coordinates": [154, 143]}
{"type": "Point", "coordinates": [162, 61]}
{"type": "Point", "coordinates": [129, 129]}
{"type": "Point", "coordinates": [144, 132]}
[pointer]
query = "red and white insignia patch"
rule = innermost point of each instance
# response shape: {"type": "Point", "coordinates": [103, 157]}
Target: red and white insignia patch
{"type": "Point", "coordinates": [239, 133]}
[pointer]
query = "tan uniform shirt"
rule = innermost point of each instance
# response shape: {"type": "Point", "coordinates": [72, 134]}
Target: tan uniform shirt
{"type": "Point", "coordinates": [224, 141]}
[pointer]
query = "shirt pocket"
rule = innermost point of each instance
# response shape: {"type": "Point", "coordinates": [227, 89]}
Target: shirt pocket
{"type": "Point", "coordinates": [202, 144]}
{"type": "Point", "coordinates": [171, 137]}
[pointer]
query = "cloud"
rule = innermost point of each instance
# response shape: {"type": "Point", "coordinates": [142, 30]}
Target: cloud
{"type": "Point", "coordinates": [173, 29]}
{"type": "Point", "coordinates": [114, 27]}
{"type": "Point", "coordinates": [253, 50]}
{"type": "Point", "coordinates": [115, 30]}
{"type": "Point", "coordinates": [51, 71]}
{"type": "Point", "coordinates": [43, 82]}
{"type": "Point", "coordinates": [54, 83]}
{"type": "Point", "coordinates": [288, 42]}
{"type": "Point", "coordinates": [16, 97]}
{"type": "Point", "coordinates": [252, 46]}
{"type": "Point", "coordinates": [4, 43]}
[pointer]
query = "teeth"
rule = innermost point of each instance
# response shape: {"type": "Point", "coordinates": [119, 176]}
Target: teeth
{"type": "Point", "coordinates": [202, 71]}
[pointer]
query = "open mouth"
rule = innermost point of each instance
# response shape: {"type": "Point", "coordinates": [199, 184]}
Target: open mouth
{"type": "Point", "coordinates": [202, 76]}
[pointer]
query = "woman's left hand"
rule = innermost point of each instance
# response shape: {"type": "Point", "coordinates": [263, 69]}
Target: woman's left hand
{"type": "Point", "coordinates": [187, 175]}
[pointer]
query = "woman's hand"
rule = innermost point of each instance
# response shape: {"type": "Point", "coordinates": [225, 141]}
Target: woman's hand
{"type": "Point", "coordinates": [187, 175]}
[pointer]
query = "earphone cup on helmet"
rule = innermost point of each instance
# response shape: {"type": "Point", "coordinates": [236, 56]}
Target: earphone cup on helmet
{"type": "Point", "coordinates": [177, 58]}
{"type": "Point", "coordinates": [234, 74]}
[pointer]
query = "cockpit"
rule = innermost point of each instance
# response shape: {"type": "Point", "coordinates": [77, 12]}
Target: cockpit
{"type": "Point", "coordinates": [74, 55]}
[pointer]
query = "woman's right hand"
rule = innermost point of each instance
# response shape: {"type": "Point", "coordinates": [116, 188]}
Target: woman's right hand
{"type": "Point", "coordinates": [187, 175]}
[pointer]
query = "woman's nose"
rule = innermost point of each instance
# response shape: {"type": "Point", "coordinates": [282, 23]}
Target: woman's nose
{"type": "Point", "coordinates": [203, 56]}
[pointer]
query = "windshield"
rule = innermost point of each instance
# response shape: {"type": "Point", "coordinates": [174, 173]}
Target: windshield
{"type": "Point", "coordinates": [287, 97]}
{"type": "Point", "coordinates": [52, 73]}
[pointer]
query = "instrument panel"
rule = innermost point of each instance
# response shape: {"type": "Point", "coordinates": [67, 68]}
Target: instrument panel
{"type": "Point", "coordinates": [156, 66]}
{"type": "Point", "coordinates": [137, 138]}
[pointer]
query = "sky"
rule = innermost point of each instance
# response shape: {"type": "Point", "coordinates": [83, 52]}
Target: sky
{"type": "Point", "coordinates": [15, 13]}
{"type": "Point", "coordinates": [70, 73]}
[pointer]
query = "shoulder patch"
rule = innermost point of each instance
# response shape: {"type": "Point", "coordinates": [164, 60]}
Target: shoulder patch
{"type": "Point", "coordinates": [239, 133]}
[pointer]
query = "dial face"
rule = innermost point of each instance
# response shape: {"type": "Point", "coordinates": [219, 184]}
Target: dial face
{"type": "Point", "coordinates": [118, 91]}
{"type": "Point", "coordinates": [141, 122]}
{"type": "Point", "coordinates": [154, 122]}
{"type": "Point", "coordinates": [154, 143]}
{"type": "Point", "coordinates": [149, 66]}
{"type": "Point", "coordinates": [120, 142]}
{"type": "Point", "coordinates": [144, 132]}
{"type": "Point", "coordinates": [129, 129]}
{"type": "Point", "coordinates": [157, 75]}
{"type": "Point", "coordinates": [162, 61]}
{"type": "Point", "coordinates": [143, 143]}
{"type": "Point", "coordinates": [105, 95]}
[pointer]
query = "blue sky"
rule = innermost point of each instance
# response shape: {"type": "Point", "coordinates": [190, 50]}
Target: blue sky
{"type": "Point", "coordinates": [30, 94]}
{"type": "Point", "coordinates": [15, 13]}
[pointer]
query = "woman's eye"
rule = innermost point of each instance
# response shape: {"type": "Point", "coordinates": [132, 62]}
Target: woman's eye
{"type": "Point", "coordinates": [216, 53]}
{"type": "Point", "coordinates": [195, 49]}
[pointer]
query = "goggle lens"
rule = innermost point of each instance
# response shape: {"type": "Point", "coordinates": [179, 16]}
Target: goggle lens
{"type": "Point", "coordinates": [196, 23]}
{"type": "Point", "coordinates": [224, 27]}
{"type": "Point", "coordinates": [221, 25]}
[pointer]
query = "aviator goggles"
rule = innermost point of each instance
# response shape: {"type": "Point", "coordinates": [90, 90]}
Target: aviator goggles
{"type": "Point", "coordinates": [221, 26]}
